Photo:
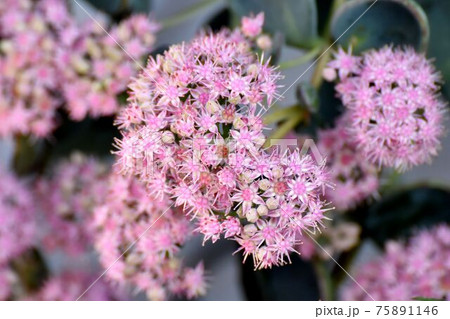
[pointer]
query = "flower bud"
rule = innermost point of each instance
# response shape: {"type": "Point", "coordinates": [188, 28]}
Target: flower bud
{"type": "Point", "coordinates": [262, 210]}
{"type": "Point", "coordinates": [252, 215]}
{"type": "Point", "coordinates": [129, 270]}
{"type": "Point", "coordinates": [329, 74]}
{"type": "Point", "coordinates": [261, 253]}
{"type": "Point", "coordinates": [264, 184]}
{"type": "Point", "coordinates": [239, 212]}
{"type": "Point", "coordinates": [212, 107]}
{"type": "Point", "coordinates": [277, 172]}
{"type": "Point", "coordinates": [168, 66]}
{"type": "Point", "coordinates": [156, 294]}
{"type": "Point", "coordinates": [252, 70]}
{"type": "Point", "coordinates": [80, 65]}
{"type": "Point", "coordinates": [235, 99]}
{"type": "Point", "coordinates": [272, 203]}
{"type": "Point", "coordinates": [133, 259]}
{"type": "Point", "coordinates": [6, 46]}
{"type": "Point", "coordinates": [264, 42]}
{"type": "Point", "coordinates": [238, 123]}
{"type": "Point", "coordinates": [168, 137]}
{"type": "Point", "coordinates": [250, 230]}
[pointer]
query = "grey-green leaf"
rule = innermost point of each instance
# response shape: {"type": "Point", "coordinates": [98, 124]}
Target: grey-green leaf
{"type": "Point", "coordinates": [398, 22]}
{"type": "Point", "coordinates": [114, 7]}
{"type": "Point", "coordinates": [438, 12]}
{"type": "Point", "coordinates": [296, 19]}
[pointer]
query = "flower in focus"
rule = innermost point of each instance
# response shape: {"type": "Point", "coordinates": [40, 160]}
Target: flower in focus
{"type": "Point", "coordinates": [417, 268]}
{"type": "Point", "coordinates": [138, 237]}
{"type": "Point", "coordinates": [354, 178]}
{"type": "Point", "coordinates": [67, 199]}
{"type": "Point", "coordinates": [191, 133]}
{"type": "Point", "coordinates": [394, 112]}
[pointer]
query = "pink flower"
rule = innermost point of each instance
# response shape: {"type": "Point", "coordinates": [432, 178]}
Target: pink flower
{"type": "Point", "coordinates": [7, 279]}
{"type": "Point", "coordinates": [194, 281]}
{"type": "Point", "coordinates": [394, 111]}
{"type": "Point", "coordinates": [67, 199]}
{"type": "Point", "coordinates": [69, 286]}
{"type": "Point", "coordinates": [252, 26]}
{"type": "Point", "coordinates": [205, 95]}
{"type": "Point", "coordinates": [151, 263]}
{"type": "Point", "coordinates": [416, 268]}
{"type": "Point", "coordinates": [76, 67]}
{"type": "Point", "coordinates": [354, 177]}
{"type": "Point", "coordinates": [17, 219]}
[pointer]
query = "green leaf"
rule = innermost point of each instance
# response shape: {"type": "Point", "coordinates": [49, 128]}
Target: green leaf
{"type": "Point", "coordinates": [438, 13]}
{"type": "Point", "coordinates": [295, 19]}
{"type": "Point", "coordinates": [140, 5]}
{"type": "Point", "coordinates": [308, 96]}
{"type": "Point", "coordinates": [107, 6]}
{"type": "Point", "coordinates": [427, 299]}
{"type": "Point", "coordinates": [400, 214]}
{"type": "Point", "coordinates": [398, 22]}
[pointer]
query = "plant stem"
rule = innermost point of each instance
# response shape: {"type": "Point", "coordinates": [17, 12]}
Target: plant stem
{"type": "Point", "coordinates": [325, 280]}
{"type": "Point", "coordinates": [325, 55]}
{"type": "Point", "coordinates": [285, 128]}
{"type": "Point", "coordinates": [301, 59]}
{"type": "Point", "coordinates": [186, 13]}
{"type": "Point", "coordinates": [317, 78]}
{"type": "Point", "coordinates": [281, 114]}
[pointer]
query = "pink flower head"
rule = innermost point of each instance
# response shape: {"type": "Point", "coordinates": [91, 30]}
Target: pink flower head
{"type": "Point", "coordinates": [417, 268]}
{"type": "Point", "coordinates": [150, 264]}
{"type": "Point", "coordinates": [67, 199]}
{"type": "Point", "coordinates": [354, 177]}
{"type": "Point", "coordinates": [30, 77]}
{"type": "Point", "coordinates": [7, 280]}
{"type": "Point", "coordinates": [100, 69]}
{"type": "Point", "coordinates": [69, 286]}
{"type": "Point", "coordinates": [77, 67]}
{"type": "Point", "coordinates": [198, 103]}
{"type": "Point", "coordinates": [252, 26]}
{"type": "Point", "coordinates": [395, 114]}
{"type": "Point", "coordinates": [17, 222]}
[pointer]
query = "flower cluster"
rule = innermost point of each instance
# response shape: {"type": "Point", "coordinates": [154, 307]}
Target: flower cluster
{"type": "Point", "coordinates": [80, 67]}
{"type": "Point", "coordinates": [354, 177]}
{"type": "Point", "coordinates": [71, 285]}
{"type": "Point", "coordinates": [17, 222]}
{"type": "Point", "coordinates": [391, 95]}
{"type": "Point", "coordinates": [191, 133]}
{"type": "Point", "coordinates": [29, 76]}
{"type": "Point", "coordinates": [138, 237]}
{"type": "Point", "coordinates": [67, 200]}
{"type": "Point", "coordinates": [419, 268]}
{"type": "Point", "coordinates": [7, 281]}
{"type": "Point", "coordinates": [96, 69]}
